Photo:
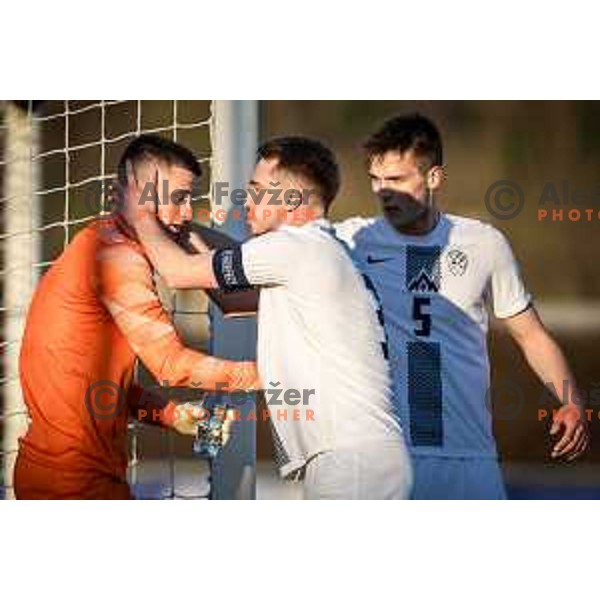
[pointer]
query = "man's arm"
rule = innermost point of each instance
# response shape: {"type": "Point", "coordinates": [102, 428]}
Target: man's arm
{"type": "Point", "coordinates": [125, 286]}
{"type": "Point", "coordinates": [183, 270]}
{"type": "Point", "coordinates": [151, 407]}
{"type": "Point", "coordinates": [178, 268]}
{"type": "Point", "coordinates": [512, 305]}
{"type": "Point", "coordinates": [548, 362]}
{"type": "Point", "coordinates": [235, 304]}
{"type": "Point", "coordinates": [231, 304]}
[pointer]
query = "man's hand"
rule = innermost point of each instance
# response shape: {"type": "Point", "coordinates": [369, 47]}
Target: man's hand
{"type": "Point", "coordinates": [550, 364]}
{"type": "Point", "coordinates": [575, 437]}
{"type": "Point", "coordinates": [186, 417]}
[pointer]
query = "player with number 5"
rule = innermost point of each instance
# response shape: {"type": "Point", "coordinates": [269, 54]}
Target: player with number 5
{"type": "Point", "coordinates": [435, 275]}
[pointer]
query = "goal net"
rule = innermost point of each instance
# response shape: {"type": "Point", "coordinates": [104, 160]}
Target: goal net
{"type": "Point", "coordinates": [56, 163]}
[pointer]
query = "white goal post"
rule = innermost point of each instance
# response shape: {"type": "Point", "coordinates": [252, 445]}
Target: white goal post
{"type": "Point", "coordinates": [235, 138]}
{"type": "Point", "coordinates": [21, 255]}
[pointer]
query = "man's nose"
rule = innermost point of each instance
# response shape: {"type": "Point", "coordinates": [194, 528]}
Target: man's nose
{"type": "Point", "coordinates": [377, 185]}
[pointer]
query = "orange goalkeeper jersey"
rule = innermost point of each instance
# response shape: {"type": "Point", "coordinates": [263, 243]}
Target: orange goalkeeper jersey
{"type": "Point", "coordinates": [93, 312]}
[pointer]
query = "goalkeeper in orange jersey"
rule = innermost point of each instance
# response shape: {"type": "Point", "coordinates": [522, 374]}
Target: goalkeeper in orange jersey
{"type": "Point", "coordinates": [93, 313]}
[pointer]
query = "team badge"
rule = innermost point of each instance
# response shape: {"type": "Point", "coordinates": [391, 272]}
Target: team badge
{"type": "Point", "coordinates": [457, 262]}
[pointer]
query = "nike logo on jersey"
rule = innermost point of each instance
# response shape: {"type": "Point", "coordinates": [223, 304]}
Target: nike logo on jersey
{"type": "Point", "coordinates": [373, 261]}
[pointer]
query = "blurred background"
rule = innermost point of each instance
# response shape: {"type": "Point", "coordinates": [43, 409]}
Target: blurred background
{"type": "Point", "coordinates": [531, 143]}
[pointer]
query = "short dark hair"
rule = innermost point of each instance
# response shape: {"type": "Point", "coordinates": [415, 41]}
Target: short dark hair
{"type": "Point", "coordinates": [148, 146]}
{"type": "Point", "coordinates": [407, 133]}
{"type": "Point", "coordinates": [307, 158]}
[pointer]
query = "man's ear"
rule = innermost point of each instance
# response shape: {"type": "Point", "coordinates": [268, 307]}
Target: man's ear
{"type": "Point", "coordinates": [435, 178]}
{"type": "Point", "coordinates": [294, 200]}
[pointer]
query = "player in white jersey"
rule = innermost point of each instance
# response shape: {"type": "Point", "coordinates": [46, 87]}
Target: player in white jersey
{"type": "Point", "coordinates": [320, 341]}
{"type": "Point", "coordinates": [436, 276]}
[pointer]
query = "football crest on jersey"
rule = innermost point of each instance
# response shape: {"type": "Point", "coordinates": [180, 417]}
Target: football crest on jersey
{"type": "Point", "coordinates": [457, 262]}
{"type": "Point", "coordinates": [423, 269]}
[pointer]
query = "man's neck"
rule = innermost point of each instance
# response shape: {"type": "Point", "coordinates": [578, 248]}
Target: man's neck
{"type": "Point", "coordinates": [125, 227]}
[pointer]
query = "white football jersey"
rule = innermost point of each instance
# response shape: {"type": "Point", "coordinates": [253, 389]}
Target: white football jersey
{"type": "Point", "coordinates": [319, 336]}
{"type": "Point", "coordinates": [435, 291]}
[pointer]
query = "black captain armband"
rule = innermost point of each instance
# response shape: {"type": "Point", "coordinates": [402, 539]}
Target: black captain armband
{"type": "Point", "coordinates": [229, 270]}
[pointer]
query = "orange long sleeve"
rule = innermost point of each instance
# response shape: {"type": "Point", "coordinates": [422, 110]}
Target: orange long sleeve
{"type": "Point", "coordinates": [92, 313]}
{"type": "Point", "coordinates": [127, 290]}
